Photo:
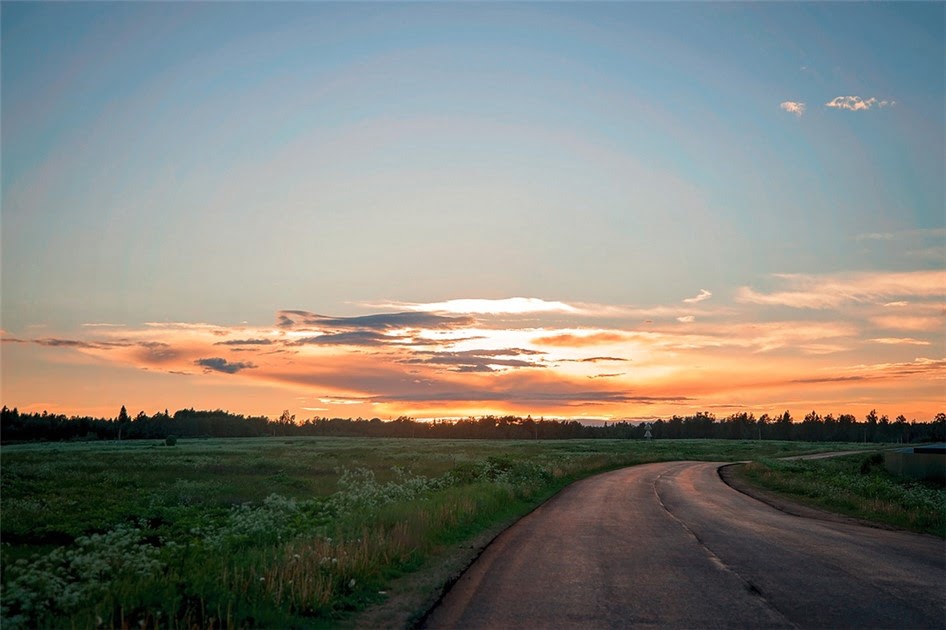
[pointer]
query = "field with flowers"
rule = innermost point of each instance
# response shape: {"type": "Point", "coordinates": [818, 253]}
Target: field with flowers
{"type": "Point", "coordinates": [271, 532]}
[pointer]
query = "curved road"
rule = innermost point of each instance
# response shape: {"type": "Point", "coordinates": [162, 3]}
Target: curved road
{"type": "Point", "coordinates": [671, 545]}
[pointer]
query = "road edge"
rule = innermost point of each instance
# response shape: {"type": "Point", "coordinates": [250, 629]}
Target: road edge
{"type": "Point", "coordinates": [426, 588]}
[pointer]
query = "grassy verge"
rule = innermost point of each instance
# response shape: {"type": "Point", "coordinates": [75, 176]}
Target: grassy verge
{"type": "Point", "coordinates": [273, 532]}
{"type": "Point", "coordinates": [858, 486]}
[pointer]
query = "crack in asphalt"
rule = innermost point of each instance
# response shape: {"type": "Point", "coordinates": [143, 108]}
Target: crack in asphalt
{"type": "Point", "coordinates": [716, 560]}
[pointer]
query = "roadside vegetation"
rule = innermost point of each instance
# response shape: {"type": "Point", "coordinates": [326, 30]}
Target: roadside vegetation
{"type": "Point", "coordinates": [271, 532]}
{"type": "Point", "coordinates": [856, 485]}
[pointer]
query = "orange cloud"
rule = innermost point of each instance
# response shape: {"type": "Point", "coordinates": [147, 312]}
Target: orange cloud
{"type": "Point", "coordinates": [439, 364]}
{"type": "Point", "coordinates": [909, 322]}
{"type": "Point", "coordinates": [894, 341]}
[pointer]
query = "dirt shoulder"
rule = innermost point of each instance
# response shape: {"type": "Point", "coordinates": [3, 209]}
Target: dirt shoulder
{"type": "Point", "coordinates": [410, 597]}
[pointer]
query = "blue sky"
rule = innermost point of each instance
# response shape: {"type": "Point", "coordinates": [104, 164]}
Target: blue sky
{"type": "Point", "coordinates": [219, 162]}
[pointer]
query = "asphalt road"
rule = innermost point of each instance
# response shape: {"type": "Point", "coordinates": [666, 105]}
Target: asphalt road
{"type": "Point", "coordinates": [670, 545]}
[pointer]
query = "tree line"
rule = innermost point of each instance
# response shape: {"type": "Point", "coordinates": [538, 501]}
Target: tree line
{"type": "Point", "coordinates": [191, 423]}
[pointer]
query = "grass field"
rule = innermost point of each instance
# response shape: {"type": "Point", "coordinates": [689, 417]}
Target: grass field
{"type": "Point", "coordinates": [272, 532]}
{"type": "Point", "coordinates": [858, 486]}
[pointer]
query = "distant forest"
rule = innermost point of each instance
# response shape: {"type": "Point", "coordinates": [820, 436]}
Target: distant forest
{"type": "Point", "coordinates": [189, 423]}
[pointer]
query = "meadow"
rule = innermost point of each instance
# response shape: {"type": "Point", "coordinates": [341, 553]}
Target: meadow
{"type": "Point", "coordinates": [858, 486]}
{"type": "Point", "coordinates": [273, 532]}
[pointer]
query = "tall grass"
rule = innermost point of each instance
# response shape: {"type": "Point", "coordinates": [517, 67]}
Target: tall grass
{"type": "Point", "coordinates": [273, 533]}
{"type": "Point", "coordinates": [859, 486]}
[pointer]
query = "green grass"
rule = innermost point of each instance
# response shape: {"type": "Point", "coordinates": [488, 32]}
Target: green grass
{"type": "Point", "coordinates": [858, 486]}
{"type": "Point", "coordinates": [287, 532]}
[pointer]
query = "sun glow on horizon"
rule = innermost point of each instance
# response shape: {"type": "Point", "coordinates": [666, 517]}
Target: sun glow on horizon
{"type": "Point", "coordinates": [431, 365]}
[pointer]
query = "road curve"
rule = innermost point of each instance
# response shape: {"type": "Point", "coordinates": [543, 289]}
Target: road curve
{"type": "Point", "coordinates": [670, 545]}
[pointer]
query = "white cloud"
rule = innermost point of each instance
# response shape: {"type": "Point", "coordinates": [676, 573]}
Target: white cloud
{"type": "Point", "coordinates": [686, 319]}
{"type": "Point", "coordinates": [513, 305]}
{"type": "Point", "coordinates": [856, 103]}
{"type": "Point", "coordinates": [703, 295]}
{"type": "Point", "coordinates": [793, 107]}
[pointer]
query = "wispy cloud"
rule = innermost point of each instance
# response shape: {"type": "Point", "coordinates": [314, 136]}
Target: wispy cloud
{"type": "Point", "coordinates": [793, 107]}
{"type": "Point", "coordinates": [218, 364]}
{"type": "Point", "coordinates": [923, 233]}
{"type": "Point", "coordinates": [341, 401]}
{"type": "Point", "coordinates": [350, 338]}
{"type": "Point", "coordinates": [580, 341]}
{"type": "Point", "coordinates": [811, 380]}
{"type": "Point", "coordinates": [930, 323]}
{"type": "Point", "coordinates": [831, 291]}
{"type": "Point", "coordinates": [925, 244]}
{"type": "Point", "coordinates": [928, 253]}
{"type": "Point", "coordinates": [156, 352]}
{"type": "Point", "coordinates": [875, 236]}
{"type": "Point", "coordinates": [477, 360]}
{"type": "Point", "coordinates": [703, 295]}
{"type": "Point", "coordinates": [899, 341]}
{"type": "Point", "coordinates": [919, 366]}
{"type": "Point", "coordinates": [914, 315]}
{"type": "Point", "coordinates": [383, 321]}
{"type": "Point", "coordinates": [512, 306]}
{"type": "Point", "coordinates": [245, 342]}
{"type": "Point", "coordinates": [856, 103]}
{"type": "Point", "coordinates": [537, 397]}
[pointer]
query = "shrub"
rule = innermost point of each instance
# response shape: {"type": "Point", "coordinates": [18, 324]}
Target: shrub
{"type": "Point", "coordinates": [170, 440]}
{"type": "Point", "coordinates": [875, 459]}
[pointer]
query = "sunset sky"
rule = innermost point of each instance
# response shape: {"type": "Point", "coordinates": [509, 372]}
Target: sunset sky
{"type": "Point", "coordinates": [609, 211]}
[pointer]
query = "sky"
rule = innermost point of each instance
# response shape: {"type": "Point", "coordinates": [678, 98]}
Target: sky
{"type": "Point", "coordinates": [585, 210]}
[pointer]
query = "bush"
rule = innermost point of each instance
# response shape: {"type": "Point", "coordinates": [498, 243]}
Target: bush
{"type": "Point", "coordinates": [876, 459]}
{"type": "Point", "coordinates": [170, 440]}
